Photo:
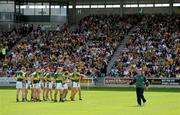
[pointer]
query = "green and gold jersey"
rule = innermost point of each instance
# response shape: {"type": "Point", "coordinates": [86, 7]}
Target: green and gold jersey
{"type": "Point", "coordinates": [42, 76]}
{"type": "Point", "coordinates": [47, 77]}
{"type": "Point", "coordinates": [66, 78]}
{"type": "Point", "coordinates": [20, 75]}
{"type": "Point", "coordinates": [76, 76]}
{"type": "Point", "coordinates": [59, 77]}
{"type": "Point", "coordinates": [26, 76]}
{"type": "Point", "coordinates": [36, 77]}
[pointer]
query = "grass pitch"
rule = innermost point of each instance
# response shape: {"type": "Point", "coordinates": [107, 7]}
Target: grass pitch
{"type": "Point", "coordinates": [96, 102]}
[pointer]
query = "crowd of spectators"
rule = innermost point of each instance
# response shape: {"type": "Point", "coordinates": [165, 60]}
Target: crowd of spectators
{"type": "Point", "coordinates": [9, 39]}
{"type": "Point", "coordinates": [89, 47]}
{"type": "Point", "coordinates": [154, 46]}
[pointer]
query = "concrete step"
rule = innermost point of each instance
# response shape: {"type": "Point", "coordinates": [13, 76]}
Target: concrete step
{"type": "Point", "coordinates": [119, 51]}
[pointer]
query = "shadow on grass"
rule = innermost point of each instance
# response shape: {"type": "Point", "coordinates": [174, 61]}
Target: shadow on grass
{"type": "Point", "coordinates": [135, 106]}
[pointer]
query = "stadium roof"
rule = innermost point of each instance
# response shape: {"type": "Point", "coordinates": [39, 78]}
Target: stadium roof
{"type": "Point", "coordinates": [40, 0]}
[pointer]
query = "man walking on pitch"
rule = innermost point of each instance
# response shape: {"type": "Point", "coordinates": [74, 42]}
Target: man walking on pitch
{"type": "Point", "coordinates": [140, 81]}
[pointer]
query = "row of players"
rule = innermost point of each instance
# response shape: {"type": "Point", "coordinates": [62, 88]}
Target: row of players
{"type": "Point", "coordinates": [45, 80]}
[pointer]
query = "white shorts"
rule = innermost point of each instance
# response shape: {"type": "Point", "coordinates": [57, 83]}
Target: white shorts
{"type": "Point", "coordinates": [31, 86]}
{"type": "Point", "coordinates": [36, 85]}
{"type": "Point", "coordinates": [65, 86]}
{"type": "Point", "coordinates": [27, 85]}
{"type": "Point", "coordinates": [19, 85]}
{"type": "Point", "coordinates": [42, 84]}
{"type": "Point", "coordinates": [75, 84]}
{"type": "Point", "coordinates": [59, 86]}
{"type": "Point", "coordinates": [50, 84]}
{"type": "Point", "coordinates": [45, 84]}
{"type": "Point", "coordinates": [78, 85]}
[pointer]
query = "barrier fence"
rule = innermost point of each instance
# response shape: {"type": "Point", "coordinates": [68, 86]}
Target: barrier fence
{"type": "Point", "coordinates": [9, 81]}
{"type": "Point", "coordinates": [107, 81]}
{"type": "Point", "coordinates": [152, 81]}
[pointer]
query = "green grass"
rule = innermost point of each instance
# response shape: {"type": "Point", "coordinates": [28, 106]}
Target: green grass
{"type": "Point", "coordinates": [97, 102]}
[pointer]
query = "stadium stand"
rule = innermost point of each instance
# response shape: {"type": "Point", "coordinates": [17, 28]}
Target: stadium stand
{"type": "Point", "coordinates": [67, 48]}
{"type": "Point", "coordinates": [154, 45]}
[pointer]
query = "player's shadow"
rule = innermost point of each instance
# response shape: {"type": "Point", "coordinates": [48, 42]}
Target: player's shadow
{"type": "Point", "coordinates": [135, 106]}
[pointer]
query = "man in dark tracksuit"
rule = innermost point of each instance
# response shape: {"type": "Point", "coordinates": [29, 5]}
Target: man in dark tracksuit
{"type": "Point", "coordinates": [140, 81]}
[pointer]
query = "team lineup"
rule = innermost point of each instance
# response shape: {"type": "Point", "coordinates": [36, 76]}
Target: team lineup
{"type": "Point", "coordinates": [53, 84]}
{"type": "Point", "coordinates": [50, 84]}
